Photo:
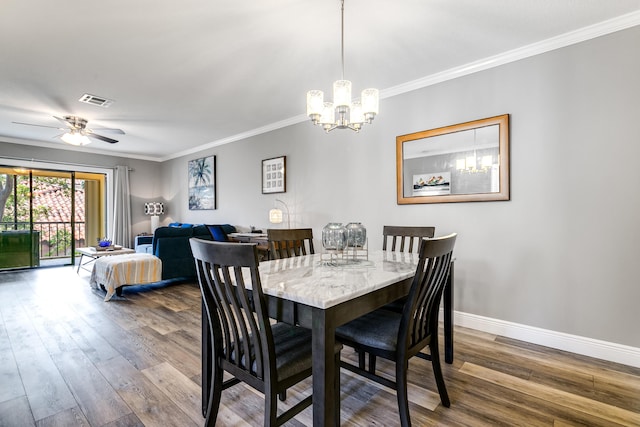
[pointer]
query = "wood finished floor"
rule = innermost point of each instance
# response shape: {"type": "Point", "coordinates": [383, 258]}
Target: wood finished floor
{"type": "Point", "coordinates": [69, 359]}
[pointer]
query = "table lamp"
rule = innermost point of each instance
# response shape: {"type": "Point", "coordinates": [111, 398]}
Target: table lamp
{"type": "Point", "coordinates": [155, 209]}
{"type": "Point", "coordinates": [275, 214]}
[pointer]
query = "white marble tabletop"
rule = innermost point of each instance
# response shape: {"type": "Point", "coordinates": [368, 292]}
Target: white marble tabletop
{"type": "Point", "coordinates": [314, 281]}
{"type": "Point", "coordinates": [254, 235]}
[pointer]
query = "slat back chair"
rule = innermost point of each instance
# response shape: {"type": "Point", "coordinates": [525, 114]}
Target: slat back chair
{"type": "Point", "coordinates": [269, 357]}
{"type": "Point", "coordinates": [403, 237]}
{"type": "Point", "coordinates": [400, 336]}
{"type": "Point", "coordinates": [292, 242]}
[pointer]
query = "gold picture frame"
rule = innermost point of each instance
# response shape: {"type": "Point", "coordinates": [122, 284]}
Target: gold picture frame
{"type": "Point", "coordinates": [466, 162]}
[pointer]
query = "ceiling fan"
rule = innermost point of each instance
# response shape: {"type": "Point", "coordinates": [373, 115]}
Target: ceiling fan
{"type": "Point", "coordinates": [76, 132]}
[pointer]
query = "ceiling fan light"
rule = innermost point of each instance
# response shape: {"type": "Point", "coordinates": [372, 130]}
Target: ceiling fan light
{"type": "Point", "coordinates": [75, 138]}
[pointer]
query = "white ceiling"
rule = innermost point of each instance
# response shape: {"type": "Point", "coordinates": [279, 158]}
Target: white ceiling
{"type": "Point", "coordinates": [189, 75]}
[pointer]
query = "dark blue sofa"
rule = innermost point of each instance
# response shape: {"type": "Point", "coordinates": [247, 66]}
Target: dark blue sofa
{"type": "Point", "coordinates": [171, 245]}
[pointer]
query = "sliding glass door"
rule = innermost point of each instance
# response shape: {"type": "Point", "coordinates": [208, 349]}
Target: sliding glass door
{"type": "Point", "coordinates": [47, 214]}
{"type": "Point", "coordinates": [18, 241]}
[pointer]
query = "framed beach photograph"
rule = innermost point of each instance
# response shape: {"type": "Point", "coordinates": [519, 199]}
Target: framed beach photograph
{"type": "Point", "coordinates": [274, 175]}
{"type": "Point", "coordinates": [432, 184]}
{"type": "Point", "coordinates": [202, 183]}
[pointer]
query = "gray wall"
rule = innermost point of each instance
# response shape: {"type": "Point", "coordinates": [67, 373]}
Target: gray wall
{"type": "Point", "coordinates": [561, 255]}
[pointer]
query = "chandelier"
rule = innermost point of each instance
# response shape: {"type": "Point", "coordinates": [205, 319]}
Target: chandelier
{"type": "Point", "coordinates": [342, 113]}
{"type": "Point", "coordinates": [469, 164]}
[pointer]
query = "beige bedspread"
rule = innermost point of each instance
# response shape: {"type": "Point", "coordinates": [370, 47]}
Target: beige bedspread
{"type": "Point", "coordinates": [118, 270]}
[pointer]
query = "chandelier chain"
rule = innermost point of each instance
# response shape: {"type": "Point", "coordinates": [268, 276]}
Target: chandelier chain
{"type": "Point", "coordinates": [342, 32]}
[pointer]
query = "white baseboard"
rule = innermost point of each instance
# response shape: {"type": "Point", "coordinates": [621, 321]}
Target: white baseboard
{"type": "Point", "coordinates": [612, 352]}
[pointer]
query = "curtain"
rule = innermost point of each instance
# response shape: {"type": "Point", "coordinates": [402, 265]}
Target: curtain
{"type": "Point", "coordinates": [122, 208]}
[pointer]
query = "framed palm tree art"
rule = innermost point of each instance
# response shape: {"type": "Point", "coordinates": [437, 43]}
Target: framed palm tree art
{"type": "Point", "coordinates": [202, 183]}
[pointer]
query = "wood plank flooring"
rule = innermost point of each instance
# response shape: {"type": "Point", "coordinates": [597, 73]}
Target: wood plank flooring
{"type": "Point", "coordinates": [69, 359]}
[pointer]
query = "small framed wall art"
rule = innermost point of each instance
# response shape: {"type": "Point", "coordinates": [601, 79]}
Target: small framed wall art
{"type": "Point", "coordinates": [274, 178]}
{"type": "Point", "coordinates": [202, 183]}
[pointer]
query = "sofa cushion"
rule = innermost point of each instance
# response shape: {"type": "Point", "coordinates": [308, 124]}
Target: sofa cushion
{"type": "Point", "coordinates": [180, 225]}
{"type": "Point", "coordinates": [218, 233]}
{"type": "Point", "coordinates": [228, 228]}
{"type": "Point", "coordinates": [169, 232]}
{"type": "Point", "coordinates": [201, 231]}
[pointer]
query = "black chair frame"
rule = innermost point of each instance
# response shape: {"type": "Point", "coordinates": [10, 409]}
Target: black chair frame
{"type": "Point", "coordinates": [418, 326]}
{"type": "Point", "coordinates": [291, 242]}
{"type": "Point", "coordinates": [269, 357]}
{"type": "Point", "coordinates": [405, 237]}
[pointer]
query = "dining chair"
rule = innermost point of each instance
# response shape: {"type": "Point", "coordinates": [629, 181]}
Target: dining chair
{"type": "Point", "coordinates": [400, 336]}
{"type": "Point", "coordinates": [268, 357]}
{"type": "Point", "coordinates": [404, 237]}
{"type": "Point", "coordinates": [291, 242]}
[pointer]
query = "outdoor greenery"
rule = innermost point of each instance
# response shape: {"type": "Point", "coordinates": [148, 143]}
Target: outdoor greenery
{"type": "Point", "coordinates": [6, 190]}
{"type": "Point", "coordinates": [8, 196]}
{"type": "Point", "coordinates": [60, 243]}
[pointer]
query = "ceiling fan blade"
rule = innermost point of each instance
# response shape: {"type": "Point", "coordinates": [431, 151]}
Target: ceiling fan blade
{"type": "Point", "coordinates": [42, 126]}
{"type": "Point", "coordinates": [102, 138]}
{"type": "Point", "coordinates": [66, 122]}
{"type": "Point", "coordinates": [109, 130]}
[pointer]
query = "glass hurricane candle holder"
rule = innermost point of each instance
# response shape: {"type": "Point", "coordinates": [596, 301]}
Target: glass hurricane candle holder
{"type": "Point", "coordinates": [356, 235]}
{"type": "Point", "coordinates": [334, 236]}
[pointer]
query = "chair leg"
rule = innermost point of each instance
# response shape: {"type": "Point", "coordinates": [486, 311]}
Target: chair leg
{"type": "Point", "coordinates": [270, 409]}
{"type": "Point", "coordinates": [214, 396]}
{"type": "Point", "coordinates": [437, 372]}
{"type": "Point", "coordinates": [336, 385]}
{"type": "Point", "coordinates": [372, 363]}
{"type": "Point", "coordinates": [401, 392]}
{"type": "Point", "coordinates": [282, 396]}
{"type": "Point", "coordinates": [361, 358]}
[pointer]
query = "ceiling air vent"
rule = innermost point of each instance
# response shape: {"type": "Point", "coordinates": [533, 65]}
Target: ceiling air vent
{"type": "Point", "coordinates": [96, 100]}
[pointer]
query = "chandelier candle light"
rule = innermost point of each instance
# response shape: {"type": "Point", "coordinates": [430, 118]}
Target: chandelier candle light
{"type": "Point", "coordinates": [342, 113]}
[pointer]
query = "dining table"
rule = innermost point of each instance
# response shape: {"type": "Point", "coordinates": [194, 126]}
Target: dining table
{"type": "Point", "coordinates": [325, 290]}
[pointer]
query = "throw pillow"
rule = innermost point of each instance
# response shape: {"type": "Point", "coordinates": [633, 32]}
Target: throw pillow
{"type": "Point", "coordinates": [218, 233]}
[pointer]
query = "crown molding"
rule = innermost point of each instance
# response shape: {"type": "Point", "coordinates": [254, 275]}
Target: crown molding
{"type": "Point", "coordinates": [77, 149]}
{"type": "Point", "coordinates": [567, 39]}
{"type": "Point", "coordinates": [240, 136]}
